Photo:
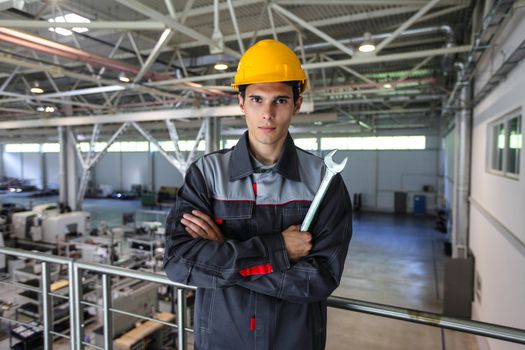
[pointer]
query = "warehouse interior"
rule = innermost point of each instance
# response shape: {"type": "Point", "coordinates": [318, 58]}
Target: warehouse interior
{"type": "Point", "coordinates": [105, 104]}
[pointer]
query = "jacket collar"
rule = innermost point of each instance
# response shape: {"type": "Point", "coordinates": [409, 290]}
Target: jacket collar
{"type": "Point", "coordinates": [241, 166]}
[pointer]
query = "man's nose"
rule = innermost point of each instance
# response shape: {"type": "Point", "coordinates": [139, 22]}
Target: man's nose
{"type": "Point", "coordinates": [268, 111]}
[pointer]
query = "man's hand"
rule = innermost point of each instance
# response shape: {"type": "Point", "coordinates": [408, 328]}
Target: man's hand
{"type": "Point", "coordinates": [200, 225]}
{"type": "Point", "coordinates": [298, 244]}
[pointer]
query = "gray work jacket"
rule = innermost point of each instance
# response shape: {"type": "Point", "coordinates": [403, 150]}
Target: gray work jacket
{"type": "Point", "coordinates": [249, 295]}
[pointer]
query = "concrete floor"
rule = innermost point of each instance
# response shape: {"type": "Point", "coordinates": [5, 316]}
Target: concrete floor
{"type": "Point", "coordinates": [392, 260]}
{"type": "Point", "coordinates": [395, 261]}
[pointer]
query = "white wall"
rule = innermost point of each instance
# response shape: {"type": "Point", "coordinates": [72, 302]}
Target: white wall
{"type": "Point", "coordinates": [121, 170]}
{"type": "Point", "coordinates": [25, 166]}
{"type": "Point", "coordinates": [165, 173]}
{"type": "Point", "coordinates": [375, 174]}
{"type": "Point", "coordinates": [13, 165]}
{"type": "Point", "coordinates": [108, 171]}
{"type": "Point", "coordinates": [52, 170]}
{"type": "Point", "coordinates": [378, 174]}
{"type": "Point", "coordinates": [497, 223]}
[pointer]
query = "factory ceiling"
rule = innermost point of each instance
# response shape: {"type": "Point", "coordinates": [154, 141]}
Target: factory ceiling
{"type": "Point", "coordinates": [110, 58]}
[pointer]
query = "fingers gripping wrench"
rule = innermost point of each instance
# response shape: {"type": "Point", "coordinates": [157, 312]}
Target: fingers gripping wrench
{"type": "Point", "coordinates": [332, 168]}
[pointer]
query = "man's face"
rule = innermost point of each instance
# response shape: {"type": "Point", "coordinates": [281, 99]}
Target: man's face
{"type": "Point", "coordinates": [268, 108]}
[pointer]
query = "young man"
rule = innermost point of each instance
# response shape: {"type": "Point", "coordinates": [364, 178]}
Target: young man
{"type": "Point", "coordinates": [234, 230]}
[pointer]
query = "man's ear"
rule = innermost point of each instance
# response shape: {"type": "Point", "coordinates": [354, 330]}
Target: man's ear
{"type": "Point", "coordinates": [241, 102]}
{"type": "Point", "coordinates": [297, 105]}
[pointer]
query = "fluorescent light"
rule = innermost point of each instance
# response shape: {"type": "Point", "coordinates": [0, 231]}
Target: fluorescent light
{"type": "Point", "coordinates": [37, 90]}
{"type": "Point", "coordinates": [387, 86]}
{"type": "Point", "coordinates": [49, 109]}
{"type": "Point", "coordinates": [69, 18]}
{"type": "Point", "coordinates": [40, 109]}
{"type": "Point", "coordinates": [367, 45]}
{"type": "Point", "coordinates": [220, 66]}
{"type": "Point", "coordinates": [123, 78]}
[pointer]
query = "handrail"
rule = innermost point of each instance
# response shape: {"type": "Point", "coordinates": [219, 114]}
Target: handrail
{"type": "Point", "coordinates": [490, 330]}
{"type": "Point", "coordinates": [425, 318]}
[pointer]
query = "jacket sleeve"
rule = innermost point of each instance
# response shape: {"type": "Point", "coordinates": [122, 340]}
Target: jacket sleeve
{"type": "Point", "coordinates": [317, 275]}
{"type": "Point", "coordinates": [210, 264]}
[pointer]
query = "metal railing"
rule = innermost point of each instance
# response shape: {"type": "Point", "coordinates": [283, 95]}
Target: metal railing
{"type": "Point", "coordinates": [75, 269]}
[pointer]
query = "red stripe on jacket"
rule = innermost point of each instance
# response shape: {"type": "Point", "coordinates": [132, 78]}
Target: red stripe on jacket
{"type": "Point", "coordinates": [257, 270]}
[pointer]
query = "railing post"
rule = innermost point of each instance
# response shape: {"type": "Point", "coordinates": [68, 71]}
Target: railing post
{"type": "Point", "coordinates": [77, 280]}
{"type": "Point", "coordinates": [181, 318]}
{"type": "Point", "coordinates": [106, 305]}
{"type": "Point", "coordinates": [72, 309]}
{"type": "Point", "coordinates": [47, 306]}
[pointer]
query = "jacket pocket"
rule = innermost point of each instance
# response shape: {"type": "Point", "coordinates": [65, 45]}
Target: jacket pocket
{"type": "Point", "coordinates": [234, 218]}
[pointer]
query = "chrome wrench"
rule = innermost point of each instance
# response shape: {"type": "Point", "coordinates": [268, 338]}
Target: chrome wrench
{"type": "Point", "coordinates": [332, 168]}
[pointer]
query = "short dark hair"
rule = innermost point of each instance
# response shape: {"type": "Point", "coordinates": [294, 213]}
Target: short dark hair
{"type": "Point", "coordinates": [295, 85]}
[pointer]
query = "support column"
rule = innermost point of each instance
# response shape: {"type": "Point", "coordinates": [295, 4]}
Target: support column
{"type": "Point", "coordinates": [43, 172]}
{"type": "Point", "coordinates": [213, 134]}
{"type": "Point", "coordinates": [62, 165]}
{"type": "Point", "coordinates": [2, 160]}
{"type": "Point", "coordinates": [462, 175]}
{"type": "Point", "coordinates": [71, 179]}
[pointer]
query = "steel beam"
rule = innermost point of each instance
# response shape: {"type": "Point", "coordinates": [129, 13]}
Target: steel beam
{"type": "Point", "coordinates": [9, 78]}
{"type": "Point", "coordinates": [116, 25]}
{"type": "Point", "coordinates": [312, 28]}
{"type": "Point", "coordinates": [181, 167]}
{"type": "Point", "coordinates": [223, 111]}
{"type": "Point", "coordinates": [136, 48]}
{"type": "Point", "coordinates": [349, 70]}
{"type": "Point", "coordinates": [405, 25]}
{"type": "Point", "coordinates": [318, 23]}
{"type": "Point", "coordinates": [367, 2]}
{"type": "Point", "coordinates": [173, 24]}
{"type": "Point", "coordinates": [356, 61]}
{"type": "Point", "coordinates": [389, 58]}
{"type": "Point", "coordinates": [236, 26]}
{"type": "Point", "coordinates": [164, 38]}
{"type": "Point", "coordinates": [58, 71]}
{"type": "Point", "coordinates": [174, 136]}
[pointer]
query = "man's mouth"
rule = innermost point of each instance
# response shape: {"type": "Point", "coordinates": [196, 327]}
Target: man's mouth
{"type": "Point", "coordinates": [266, 128]}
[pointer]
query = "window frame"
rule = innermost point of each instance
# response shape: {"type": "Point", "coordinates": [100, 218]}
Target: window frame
{"type": "Point", "coordinates": [492, 153]}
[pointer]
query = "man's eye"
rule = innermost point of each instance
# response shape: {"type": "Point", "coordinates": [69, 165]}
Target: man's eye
{"type": "Point", "coordinates": [281, 101]}
{"type": "Point", "coordinates": [255, 99]}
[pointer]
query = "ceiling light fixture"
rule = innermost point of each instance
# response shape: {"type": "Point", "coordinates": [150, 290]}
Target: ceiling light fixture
{"type": "Point", "coordinates": [220, 66]}
{"type": "Point", "coordinates": [36, 89]}
{"type": "Point", "coordinates": [123, 78]}
{"type": "Point", "coordinates": [49, 109]}
{"type": "Point", "coordinates": [367, 45]}
{"type": "Point", "coordinates": [387, 86]}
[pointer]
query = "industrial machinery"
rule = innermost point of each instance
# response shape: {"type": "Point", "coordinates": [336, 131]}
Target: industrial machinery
{"type": "Point", "coordinates": [46, 223]}
{"type": "Point", "coordinates": [132, 296]}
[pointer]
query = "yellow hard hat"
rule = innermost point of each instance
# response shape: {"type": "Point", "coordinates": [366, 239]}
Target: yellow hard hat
{"type": "Point", "coordinates": [269, 61]}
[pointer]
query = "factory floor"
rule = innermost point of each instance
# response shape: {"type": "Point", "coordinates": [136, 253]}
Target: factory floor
{"type": "Point", "coordinates": [392, 260]}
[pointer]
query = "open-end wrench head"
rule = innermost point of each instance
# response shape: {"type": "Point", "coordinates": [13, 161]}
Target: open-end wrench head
{"type": "Point", "coordinates": [333, 166]}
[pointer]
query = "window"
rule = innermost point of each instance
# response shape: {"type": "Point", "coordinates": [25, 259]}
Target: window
{"type": "Point", "coordinates": [99, 146]}
{"type": "Point", "coordinates": [187, 146]}
{"type": "Point", "coordinates": [498, 146]}
{"type": "Point", "coordinates": [506, 141]}
{"type": "Point", "coordinates": [229, 143]}
{"type": "Point", "coordinates": [308, 144]}
{"type": "Point", "coordinates": [22, 147]}
{"type": "Point", "coordinates": [515, 144]}
{"type": "Point", "coordinates": [50, 148]}
{"type": "Point", "coordinates": [374, 143]}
